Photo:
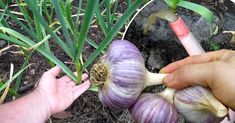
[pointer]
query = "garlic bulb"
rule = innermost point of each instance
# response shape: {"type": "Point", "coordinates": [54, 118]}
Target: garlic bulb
{"type": "Point", "coordinates": [121, 75]}
{"type": "Point", "coordinates": [198, 105]}
{"type": "Point", "coordinates": [151, 108]}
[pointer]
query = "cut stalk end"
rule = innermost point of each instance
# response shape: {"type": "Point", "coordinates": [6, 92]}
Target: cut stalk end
{"type": "Point", "coordinates": [168, 94]}
{"type": "Point", "coordinates": [217, 107]}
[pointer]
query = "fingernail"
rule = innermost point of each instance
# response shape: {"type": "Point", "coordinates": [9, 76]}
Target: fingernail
{"type": "Point", "coordinates": [162, 71]}
{"type": "Point", "coordinates": [169, 78]}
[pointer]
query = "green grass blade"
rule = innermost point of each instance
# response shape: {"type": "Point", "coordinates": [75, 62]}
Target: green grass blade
{"type": "Point", "coordinates": [63, 25]}
{"type": "Point", "coordinates": [108, 13]}
{"type": "Point", "coordinates": [45, 11]}
{"type": "Point", "coordinates": [92, 43]}
{"type": "Point", "coordinates": [18, 21]}
{"type": "Point", "coordinates": [58, 63]}
{"type": "Point", "coordinates": [101, 22]}
{"type": "Point", "coordinates": [68, 14]}
{"type": "Point", "coordinates": [18, 35]}
{"type": "Point", "coordinates": [203, 11]}
{"type": "Point", "coordinates": [169, 3]}
{"type": "Point", "coordinates": [48, 55]}
{"type": "Point", "coordinates": [40, 42]}
{"type": "Point", "coordinates": [115, 9]}
{"type": "Point", "coordinates": [38, 29]}
{"type": "Point", "coordinates": [89, 14]}
{"type": "Point", "coordinates": [3, 21]}
{"type": "Point", "coordinates": [25, 15]}
{"type": "Point", "coordinates": [94, 88]}
{"type": "Point", "coordinates": [78, 13]}
{"type": "Point", "coordinates": [40, 19]}
{"type": "Point", "coordinates": [113, 32]}
{"type": "Point", "coordinates": [12, 79]}
{"type": "Point", "coordinates": [38, 26]}
{"type": "Point", "coordinates": [19, 78]}
{"type": "Point", "coordinates": [13, 40]}
{"type": "Point", "coordinates": [10, 91]}
{"type": "Point", "coordinates": [1, 18]}
{"type": "Point", "coordinates": [128, 3]}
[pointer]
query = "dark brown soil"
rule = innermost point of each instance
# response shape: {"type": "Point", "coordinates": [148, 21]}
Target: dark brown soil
{"type": "Point", "coordinates": [88, 108]}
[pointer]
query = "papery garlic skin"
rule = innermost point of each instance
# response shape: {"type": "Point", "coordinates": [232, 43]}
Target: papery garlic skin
{"type": "Point", "coordinates": [198, 105]}
{"type": "Point", "coordinates": [126, 75]}
{"type": "Point", "coordinates": [151, 108]}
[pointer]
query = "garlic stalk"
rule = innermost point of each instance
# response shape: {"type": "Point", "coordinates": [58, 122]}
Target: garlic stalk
{"type": "Point", "coordinates": [198, 105]}
{"type": "Point", "coordinates": [151, 108]}
{"type": "Point", "coordinates": [121, 75]}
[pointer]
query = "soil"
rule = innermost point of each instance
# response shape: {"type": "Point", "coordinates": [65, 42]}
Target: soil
{"type": "Point", "coordinates": [159, 48]}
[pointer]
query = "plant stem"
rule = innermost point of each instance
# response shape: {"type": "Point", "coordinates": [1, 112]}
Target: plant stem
{"type": "Point", "coordinates": [79, 73]}
{"type": "Point", "coordinates": [216, 107]}
{"type": "Point", "coordinates": [154, 78]}
{"type": "Point", "coordinates": [168, 94]}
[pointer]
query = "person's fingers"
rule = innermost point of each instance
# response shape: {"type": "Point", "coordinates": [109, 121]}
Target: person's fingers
{"type": "Point", "coordinates": [54, 71]}
{"type": "Point", "coordinates": [71, 83]}
{"type": "Point", "coordinates": [65, 79]}
{"type": "Point", "coordinates": [194, 74]}
{"type": "Point", "coordinates": [84, 76]}
{"type": "Point", "coordinates": [202, 58]}
{"type": "Point", "coordinates": [78, 90]}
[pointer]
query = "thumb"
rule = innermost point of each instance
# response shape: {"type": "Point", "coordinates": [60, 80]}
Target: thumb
{"type": "Point", "coordinates": [54, 71]}
{"type": "Point", "coordinates": [192, 74]}
{"type": "Point", "coordinates": [80, 89]}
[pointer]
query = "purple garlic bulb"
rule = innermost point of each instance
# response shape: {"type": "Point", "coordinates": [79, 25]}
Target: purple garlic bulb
{"type": "Point", "coordinates": [151, 108]}
{"type": "Point", "coordinates": [121, 75]}
{"type": "Point", "coordinates": [198, 105]}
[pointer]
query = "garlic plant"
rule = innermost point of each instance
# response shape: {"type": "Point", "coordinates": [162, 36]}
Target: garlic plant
{"type": "Point", "coordinates": [121, 75]}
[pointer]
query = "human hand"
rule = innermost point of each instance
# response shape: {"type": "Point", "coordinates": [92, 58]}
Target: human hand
{"type": "Point", "coordinates": [60, 93]}
{"type": "Point", "coordinates": [215, 70]}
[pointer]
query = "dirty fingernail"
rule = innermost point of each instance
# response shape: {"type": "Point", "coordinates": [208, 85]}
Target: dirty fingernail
{"type": "Point", "coordinates": [161, 71]}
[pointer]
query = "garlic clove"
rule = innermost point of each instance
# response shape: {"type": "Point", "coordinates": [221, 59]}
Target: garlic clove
{"type": "Point", "coordinates": [198, 105]}
{"type": "Point", "coordinates": [151, 108]}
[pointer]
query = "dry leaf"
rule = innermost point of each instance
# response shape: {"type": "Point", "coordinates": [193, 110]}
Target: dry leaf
{"type": "Point", "coordinates": [63, 115]}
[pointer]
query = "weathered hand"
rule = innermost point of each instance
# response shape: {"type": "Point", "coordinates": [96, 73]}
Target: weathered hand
{"type": "Point", "coordinates": [60, 93]}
